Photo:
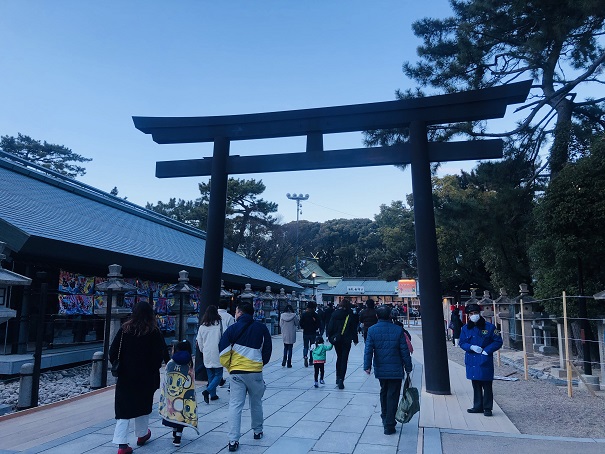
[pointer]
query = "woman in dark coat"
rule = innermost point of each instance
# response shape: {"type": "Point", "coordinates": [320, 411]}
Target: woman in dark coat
{"type": "Point", "coordinates": [456, 324]}
{"type": "Point", "coordinates": [343, 324]}
{"type": "Point", "coordinates": [140, 348]}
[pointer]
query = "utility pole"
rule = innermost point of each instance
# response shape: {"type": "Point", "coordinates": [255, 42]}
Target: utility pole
{"type": "Point", "coordinates": [298, 198]}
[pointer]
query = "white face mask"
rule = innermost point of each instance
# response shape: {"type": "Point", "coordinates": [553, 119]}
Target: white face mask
{"type": "Point", "coordinates": [475, 318]}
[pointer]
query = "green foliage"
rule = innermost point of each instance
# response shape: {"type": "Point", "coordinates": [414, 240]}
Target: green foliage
{"type": "Point", "coordinates": [491, 42]}
{"type": "Point", "coordinates": [569, 244]}
{"type": "Point", "coordinates": [248, 223]}
{"type": "Point", "coordinates": [247, 216]}
{"type": "Point", "coordinates": [483, 221]}
{"type": "Point", "coordinates": [191, 212]}
{"type": "Point", "coordinates": [397, 251]}
{"type": "Point", "coordinates": [54, 157]}
{"type": "Point", "coordinates": [344, 247]}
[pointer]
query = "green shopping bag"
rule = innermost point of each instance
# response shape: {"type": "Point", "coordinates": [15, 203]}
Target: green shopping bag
{"type": "Point", "coordinates": [409, 404]}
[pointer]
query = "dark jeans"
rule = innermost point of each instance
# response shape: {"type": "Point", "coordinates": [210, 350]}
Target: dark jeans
{"type": "Point", "coordinates": [364, 330]}
{"type": "Point", "coordinates": [342, 350]}
{"type": "Point", "coordinates": [390, 388]}
{"type": "Point", "coordinates": [483, 396]}
{"type": "Point", "coordinates": [308, 339]}
{"type": "Point", "coordinates": [319, 370]}
{"type": "Point", "coordinates": [288, 353]}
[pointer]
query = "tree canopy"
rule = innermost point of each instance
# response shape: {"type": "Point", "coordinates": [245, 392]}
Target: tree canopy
{"type": "Point", "coordinates": [247, 215]}
{"type": "Point", "coordinates": [558, 44]}
{"type": "Point", "coordinates": [54, 157]}
{"type": "Point", "coordinates": [248, 219]}
{"type": "Point", "coordinates": [484, 224]}
{"type": "Point", "coordinates": [569, 246]}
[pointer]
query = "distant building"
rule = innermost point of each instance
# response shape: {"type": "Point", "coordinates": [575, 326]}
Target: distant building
{"type": "Point", "coordinates": [359, 290]}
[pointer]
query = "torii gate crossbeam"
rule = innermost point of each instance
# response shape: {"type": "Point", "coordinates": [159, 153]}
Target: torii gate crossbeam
{"type": "Point", "coordinates": [416, 114]}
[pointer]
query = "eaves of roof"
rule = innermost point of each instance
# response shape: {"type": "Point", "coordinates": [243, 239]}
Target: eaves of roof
{"type": "Point", "coordinates": [42, 209]}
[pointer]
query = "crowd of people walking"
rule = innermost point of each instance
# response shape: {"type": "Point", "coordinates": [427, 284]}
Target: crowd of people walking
{"type": "Point", "coordinates": [239, 347]}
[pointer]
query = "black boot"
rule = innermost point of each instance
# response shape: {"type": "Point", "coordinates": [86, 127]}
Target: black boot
{"type": "Point", "coordinates": [283, 363]}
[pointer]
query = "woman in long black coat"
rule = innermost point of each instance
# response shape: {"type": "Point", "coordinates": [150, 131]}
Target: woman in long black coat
{"type": "Point", "coordinates": [456, 324]}
{"type": "Point", "coordinates": [343, 323]}
{"type": "Point", "coordinates": [140, 348]}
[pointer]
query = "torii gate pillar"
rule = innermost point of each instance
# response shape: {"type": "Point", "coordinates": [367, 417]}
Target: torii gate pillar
{"type": "Point", "coordinates": [428, 263]}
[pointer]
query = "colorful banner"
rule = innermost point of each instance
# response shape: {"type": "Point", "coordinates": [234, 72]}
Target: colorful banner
{"type": "Point", "coordinates": [75, 284]}
{"type": "Point", "coordinates": [75, 304]}
{"type": "Point", "coordinates": [79, 296]}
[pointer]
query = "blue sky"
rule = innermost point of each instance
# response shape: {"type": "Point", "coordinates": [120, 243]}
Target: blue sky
{"type": "Point", "coordinates": [74, 73]}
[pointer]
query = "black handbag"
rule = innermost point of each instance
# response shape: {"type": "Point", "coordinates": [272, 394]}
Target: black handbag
{"type": "Point", "coordinates": [115, 366]}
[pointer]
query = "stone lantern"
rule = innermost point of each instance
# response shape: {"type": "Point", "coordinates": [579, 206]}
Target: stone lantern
{"type": "Point", "coordinates": [601, 336]}
{"type": "Point", "coordinates": [524, 302]}
{"type": "Point", "coordinates": [302, 303]}
{"type": "Point", "coordinates": [505, 312]}
{"type": "Point", "coordinates": [247, 296]}
{"type": "Point", "coordinates": [114, 288]}
{"type": "Point", "coordinates": [225, 295]}
{"type": "Point", "coordinates": [487, 306]}
{"type": "Point", "coordinates": [282, 301]}
{"type": "Point", "coordinates": [294, 301]}
{"type": "Point", "coordinates": [267, 298]}
{"type": "Point", "coordinates": [473, 298]}
{"type": "Point", "coordinates": [7, 280]}
{"type": "Point", "coordinates": [182, 290]}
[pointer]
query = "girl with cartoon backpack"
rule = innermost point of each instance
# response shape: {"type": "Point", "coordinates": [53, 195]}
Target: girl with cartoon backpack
{"type": "Point", "coordinates": [178, 407]}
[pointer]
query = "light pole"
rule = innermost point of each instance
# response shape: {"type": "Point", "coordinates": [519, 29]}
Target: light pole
{"type": "Point", "coordinates": [298, 198]}
{"type": "Point", "coordinates": [313, 275]}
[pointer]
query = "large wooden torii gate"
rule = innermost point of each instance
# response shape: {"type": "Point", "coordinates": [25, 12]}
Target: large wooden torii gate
{"type": "Point", "coordinates": [416, 114]}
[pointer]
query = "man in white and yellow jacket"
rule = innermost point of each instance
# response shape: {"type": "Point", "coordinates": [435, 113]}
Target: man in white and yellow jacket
{"type": "Point", "coordinates": [245, 348]}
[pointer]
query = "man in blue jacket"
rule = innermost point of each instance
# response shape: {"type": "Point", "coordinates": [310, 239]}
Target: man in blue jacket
{"type": "Point", "coordinates": [480, 339]}
{"type": "Point", "coordinates": [387, 347]}
{"type": "Point", "coordinates": [245, 348]}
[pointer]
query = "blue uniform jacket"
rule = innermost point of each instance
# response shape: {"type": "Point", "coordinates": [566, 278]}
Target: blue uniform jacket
{"type": "Point", "coordinates": [483, 334]}
{"type": "Point", "coordinates": [387, 345]}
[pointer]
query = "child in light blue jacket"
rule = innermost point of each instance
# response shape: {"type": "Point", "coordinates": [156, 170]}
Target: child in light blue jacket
{"type": "Point", "coordinates": [319, 359]}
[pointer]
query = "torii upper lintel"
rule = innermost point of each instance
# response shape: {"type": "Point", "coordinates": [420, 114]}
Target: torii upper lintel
{"type": "Point", "coordinates": [456, 107]}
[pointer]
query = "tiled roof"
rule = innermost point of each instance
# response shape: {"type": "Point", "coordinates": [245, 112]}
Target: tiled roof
{"type": "Point", "coordinates": [53, 208]}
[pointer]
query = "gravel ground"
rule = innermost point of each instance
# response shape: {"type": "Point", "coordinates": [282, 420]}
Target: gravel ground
{"type": "Point", "coordinates": [539, 407]}
{"type": "Point", "coordinates": [54, 386]}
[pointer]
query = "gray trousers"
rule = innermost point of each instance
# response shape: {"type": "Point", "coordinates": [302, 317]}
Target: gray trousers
{"type": "Point", "coordinates": [242, 384]}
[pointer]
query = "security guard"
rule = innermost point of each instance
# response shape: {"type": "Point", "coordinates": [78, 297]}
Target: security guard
{"type": "Point", "coordinates": [480, 339]}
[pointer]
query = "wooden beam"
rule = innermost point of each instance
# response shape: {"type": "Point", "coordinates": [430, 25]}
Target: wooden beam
{"type": "Point", "coordinates": [455, 107]}
{"type": "Point", "coordinates": [333, 159]}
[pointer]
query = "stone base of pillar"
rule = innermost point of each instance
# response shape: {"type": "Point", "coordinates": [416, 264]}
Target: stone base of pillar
{"type": "Point", "coordinates": [558, 372]}
{"type": "Point", "coordinates": [592, 382]}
